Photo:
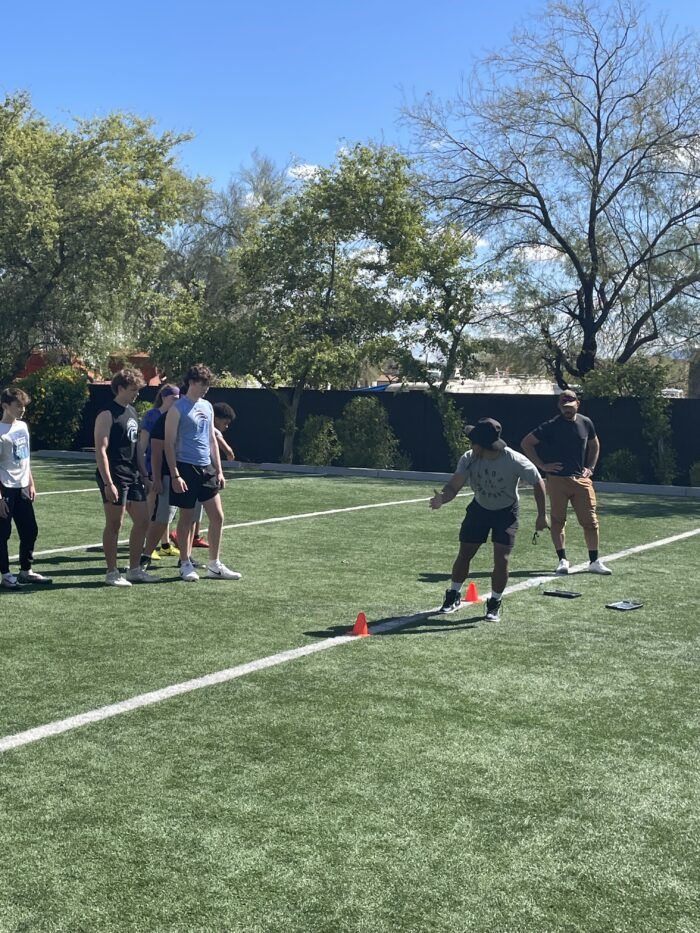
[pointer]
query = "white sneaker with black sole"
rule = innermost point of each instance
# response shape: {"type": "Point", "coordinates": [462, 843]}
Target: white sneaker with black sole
{"type": "Point", "coordinates": [562, 567]}
{"type": "Point", "coordinates": [218, 571]}
{"type": "Point", "coordinates": [188, 573]}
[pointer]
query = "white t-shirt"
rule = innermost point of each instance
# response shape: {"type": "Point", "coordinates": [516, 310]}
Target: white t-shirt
{"type": "Point", "coordinates": [495, 482]}
{"type": "Point", "coordinates": [14, 454]}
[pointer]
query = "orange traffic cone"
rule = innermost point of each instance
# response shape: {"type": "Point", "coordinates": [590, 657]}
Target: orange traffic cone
{"type": "Point", "coordinates": [471, 595]}
{"type": "Point", "coordinates": [360, 626]}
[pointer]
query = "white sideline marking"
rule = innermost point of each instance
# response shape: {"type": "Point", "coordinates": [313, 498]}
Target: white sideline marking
{"type": "Point", "coordinates": [64, 492]}
{"type": "Point", "coordinates": [57, 727]}
{"type": "Point", "coordinates": [257, 521]}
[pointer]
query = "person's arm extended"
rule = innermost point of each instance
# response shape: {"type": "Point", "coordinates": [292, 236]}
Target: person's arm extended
{"type": "Point", "coordinates": [592, 454]}
{"type": "Point", "coordinates": [102, 428]}
{"type": "Point", "coordinates": [144, 440]}
{"type": "Point", "coordinates": [528, 444]}
{"type": "Point", "coordinates": [141, 462]}
{"type": "Point", "coordinates": [172, 419]}
{"type": "Point", "coordinates": [448, 491]}
{"type": "Point", "coordinates": [542, 521]}
{"type": "Point", "coordinates": [224, 447]}
{"type": "Point", "coordinates": [215, 455]}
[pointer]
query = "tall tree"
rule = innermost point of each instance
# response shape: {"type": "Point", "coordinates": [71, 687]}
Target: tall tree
{"type": "Point", "coordinates": [445, 295]}
{"type": "Point", "coordinates": [82, 216]}
{"type": "Point", "coordinates": [576, 152]}
{"type": "Point", "coordinates": [313, 296]}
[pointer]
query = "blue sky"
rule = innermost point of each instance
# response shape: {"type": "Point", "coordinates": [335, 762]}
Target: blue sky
{"type": "Point", "coordinates": [293, 80]}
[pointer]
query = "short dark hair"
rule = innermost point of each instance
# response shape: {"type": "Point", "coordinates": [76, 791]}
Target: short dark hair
{"type": "Point", "coordinates": [127, 379]}
{"type": "Point", "coordinates": [198, 373]}
{"type": "Point", "coordinates": [14, 394]}
{"type": "Point", "coordinates": [222, 410]}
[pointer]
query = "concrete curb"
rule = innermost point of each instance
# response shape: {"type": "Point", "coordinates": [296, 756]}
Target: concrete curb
{"type": "Point", "coordinates": [630, 489]}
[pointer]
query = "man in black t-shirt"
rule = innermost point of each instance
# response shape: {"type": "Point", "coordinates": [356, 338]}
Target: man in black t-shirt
{"type": "Point", "coordinates": [121, 477]}
{"type": "Point", "coordinates": [566, 449]}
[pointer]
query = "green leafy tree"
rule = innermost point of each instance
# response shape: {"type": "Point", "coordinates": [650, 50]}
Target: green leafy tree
{"type": "Point", "coordinates": [59, 395]}
{"type": "Point", "coordinates": [313, 298]}
{"type": "Point", "coordinates": [365, 436]}
{"type": "Point", "coordinates": [575, 152]}
{"type": "Point", "coordinates": [83, 211]}
{"type": "Point", "coordinates": [642, 379]}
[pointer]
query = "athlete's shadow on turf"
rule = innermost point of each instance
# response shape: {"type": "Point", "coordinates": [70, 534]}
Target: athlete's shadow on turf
{"type": "Point", "coordinates": [422, 623]}
{"type": "Point", "coordinates": [425, 577]}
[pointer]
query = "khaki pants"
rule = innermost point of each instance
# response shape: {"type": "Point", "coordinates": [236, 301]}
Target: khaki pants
{"type": "Point", "coordinates": [579, 492]}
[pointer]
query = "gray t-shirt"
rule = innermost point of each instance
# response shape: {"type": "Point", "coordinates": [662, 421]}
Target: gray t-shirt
{"type": "Point", "coordinates": [495, 482]}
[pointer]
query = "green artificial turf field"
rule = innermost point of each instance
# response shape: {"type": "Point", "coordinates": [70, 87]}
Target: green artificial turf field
{"type": "Point", "coordinates": [538, 774]}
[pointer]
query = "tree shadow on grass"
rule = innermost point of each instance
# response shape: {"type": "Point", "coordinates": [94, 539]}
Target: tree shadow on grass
{"type": "Point", "coordinates": [671, 507]}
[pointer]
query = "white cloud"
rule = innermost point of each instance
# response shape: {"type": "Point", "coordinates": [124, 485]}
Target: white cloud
{"type": "Point", "coordinates": [304, 171]}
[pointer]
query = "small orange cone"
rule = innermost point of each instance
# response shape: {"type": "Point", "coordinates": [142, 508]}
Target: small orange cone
{"type": "Point", "coordinates": [360, 626]}
{"type": "Point", "coordinates": [471, 595]}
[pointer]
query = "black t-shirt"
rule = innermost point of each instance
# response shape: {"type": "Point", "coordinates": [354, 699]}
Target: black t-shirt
{"type": "Point", "coordinates": [565, 442]}
{"type": "Point", "coordinates": [158, 434]}
{"type": "Point", "coordinates": [121, 444]}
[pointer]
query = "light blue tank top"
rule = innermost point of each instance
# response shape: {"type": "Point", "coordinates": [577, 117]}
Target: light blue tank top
{"type": "Point", "coordinates": [193, 432]}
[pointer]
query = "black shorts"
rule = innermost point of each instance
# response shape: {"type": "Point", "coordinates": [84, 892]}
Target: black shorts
{"type": "Point", "coordinates": [478, 522]}
{"type": "Point", "coordinates": [201, 485]}
{"type": "Point", "coordinates": [129, 489]}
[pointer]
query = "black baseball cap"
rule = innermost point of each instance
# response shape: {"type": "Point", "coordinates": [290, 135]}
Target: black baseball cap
{"type": "Point", "coordinates": [486, 433]}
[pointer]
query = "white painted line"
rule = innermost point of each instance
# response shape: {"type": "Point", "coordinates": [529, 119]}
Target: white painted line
{"type": "Point", "coordinates": [64, 492]}
{"type": "Point", "coordinates": [166, 693]}
{"type": "Point", "coordinates": [57, 727]}
{"type": "Point", "coordinates": [258, 521]}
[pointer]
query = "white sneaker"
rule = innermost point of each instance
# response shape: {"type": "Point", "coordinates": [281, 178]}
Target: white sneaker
{"type": "Point", "coordinates": [114, 578]}
{"type": "Point", "coordinates": [562, 566]}
{"type": "Point", "coordinates": [220, 571]}
{"type": "Point", "coordinates": [31, 576]}
{"type": "Point", "coordinates": [9, 581]}
{"type": "Point", "coordinates": [139, 575]}
{"type": "Point", "coordinates": [188, 573]}
{"type": "Point", "coordinates": [597, 566]}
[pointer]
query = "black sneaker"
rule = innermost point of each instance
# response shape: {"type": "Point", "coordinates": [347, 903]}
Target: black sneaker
{"type": "Point", "coordinates": [493, 609]}
{"type": "Point", "coordinates": [452, 602]}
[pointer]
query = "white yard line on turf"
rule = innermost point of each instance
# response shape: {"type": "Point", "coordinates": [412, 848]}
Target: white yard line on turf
{"type": "Point", "coordinates": [64, 492]}
{"type": "Point", "coordinates": [59, 726]}
{"type": "Point", "coordinates": [257, 521]}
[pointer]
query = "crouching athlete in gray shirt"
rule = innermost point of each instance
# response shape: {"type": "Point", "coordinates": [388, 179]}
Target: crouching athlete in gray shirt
{"type": "Point", "coordinates": [492, 470]}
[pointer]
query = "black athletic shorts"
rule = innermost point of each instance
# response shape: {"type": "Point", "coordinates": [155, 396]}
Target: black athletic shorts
{"type": "Point", "coordinates": [129, 489]}
{"type": "Point", "coordinates": [478, 522]}
{"type": "Point", "coordinates": [201, 485]}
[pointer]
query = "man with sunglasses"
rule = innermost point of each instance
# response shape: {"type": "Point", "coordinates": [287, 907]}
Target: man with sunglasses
{"type": "Point", "coordinates": [566, 450]}
{"type": "Point", "coordinates": [493, 471]}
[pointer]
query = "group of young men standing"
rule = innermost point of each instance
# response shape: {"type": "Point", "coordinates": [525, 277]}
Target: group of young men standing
{"type": "Point", "coordinates": [176, 465]}
{"type": "Point", "coordinates": [185, 471]}
{"type": "Point", "coordinates": [566, 450]}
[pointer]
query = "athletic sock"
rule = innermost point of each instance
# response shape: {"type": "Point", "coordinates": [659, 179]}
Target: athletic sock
{"type": "Point", "coordinates": [498, 596]}
{"type": "Point", "coordinates": [455, 586]}
{"type": "Point", "coordinates": [562, 554]}
{"type": "Point", "coordinates": [592, 555]}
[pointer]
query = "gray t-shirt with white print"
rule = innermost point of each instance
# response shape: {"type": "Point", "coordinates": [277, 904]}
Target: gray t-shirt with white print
{"type": "Point", "coordinates": [495, 482]}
